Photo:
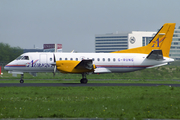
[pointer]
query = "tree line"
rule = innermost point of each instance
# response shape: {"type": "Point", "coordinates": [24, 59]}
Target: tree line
{"type": "Point", "coordinates": [8, 53]}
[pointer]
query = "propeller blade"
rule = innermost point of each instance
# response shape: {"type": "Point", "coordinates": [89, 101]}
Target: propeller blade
{"type": "Point", "coordinates": [54, 72]}
{"type": "Point", "coordinates": [54, 58]}
{"type": "Point", "coordinates": [54, 65]}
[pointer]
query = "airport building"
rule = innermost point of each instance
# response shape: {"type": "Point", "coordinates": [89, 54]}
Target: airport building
{"type": "Point", "coordinates": [52, 47]}
{"type": "Point", "coordinates": [46, 48]}
{"type": "Point", "coordinates": [175, 45]}
{"type": "Point", "coordinates": [106, 43]}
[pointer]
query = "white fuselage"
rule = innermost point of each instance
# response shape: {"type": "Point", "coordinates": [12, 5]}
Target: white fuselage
{"type": "Point", "coordinates": [104, 62]}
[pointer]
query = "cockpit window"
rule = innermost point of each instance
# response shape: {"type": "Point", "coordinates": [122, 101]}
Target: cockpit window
{"type": "Point", "coordinates": [23, 58]}
{"type": "Point", "coordinates": [19, 58]}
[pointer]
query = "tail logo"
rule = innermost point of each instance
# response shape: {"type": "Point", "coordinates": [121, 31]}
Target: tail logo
{"type": "Point", "coordinates": [157, 42]}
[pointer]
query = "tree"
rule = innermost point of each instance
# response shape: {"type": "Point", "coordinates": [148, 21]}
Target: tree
{"type": "Point", "coordinates": [8, 53]}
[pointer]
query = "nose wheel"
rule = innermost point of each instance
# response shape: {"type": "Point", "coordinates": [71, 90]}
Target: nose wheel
{"type": "Point", "coordinates": [22, 76]}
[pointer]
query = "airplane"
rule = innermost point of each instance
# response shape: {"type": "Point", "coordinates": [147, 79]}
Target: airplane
{"type": "Point", "coordinates": [155, 54]}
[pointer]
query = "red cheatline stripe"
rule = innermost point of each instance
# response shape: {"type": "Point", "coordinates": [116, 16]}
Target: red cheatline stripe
{"type": "Point", "coordinates": [15, 65]}
{"type": "Point", "coordinates": [132, 66]}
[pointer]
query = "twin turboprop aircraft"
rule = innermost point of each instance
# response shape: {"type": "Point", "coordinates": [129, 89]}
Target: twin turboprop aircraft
{"type": "Point", "coordinates": [155, 54]}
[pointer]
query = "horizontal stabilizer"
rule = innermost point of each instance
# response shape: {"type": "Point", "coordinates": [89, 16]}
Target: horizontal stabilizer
{"type": "Point", "coordinates": [155, 55]}
{"type": "Point", "coordinates": [85, 64]}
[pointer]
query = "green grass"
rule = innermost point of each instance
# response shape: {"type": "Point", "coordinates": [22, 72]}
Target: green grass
{"type": "Point", "coordinates": [93, 102]}
{"type": "Point", "coordinates": [90, 102]}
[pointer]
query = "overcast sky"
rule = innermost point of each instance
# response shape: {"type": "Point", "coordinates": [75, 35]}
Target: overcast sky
{"type": "Point", "coordinates": [74, 23]}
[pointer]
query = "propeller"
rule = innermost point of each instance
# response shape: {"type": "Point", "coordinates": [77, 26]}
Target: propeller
{"type": "Point", "coordinates": [54, 65]}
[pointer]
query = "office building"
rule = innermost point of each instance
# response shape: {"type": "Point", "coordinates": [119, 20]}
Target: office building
{"type": "Point", "coordinates": [175, 45]}
{"type": "Point", "coordinates": [106, 43]}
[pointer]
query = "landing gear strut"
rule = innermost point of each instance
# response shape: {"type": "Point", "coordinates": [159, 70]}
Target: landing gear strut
{"type": "Point", "coordinates": [84, 80]}
{"type": "Point", "coordinates": [21, 80]}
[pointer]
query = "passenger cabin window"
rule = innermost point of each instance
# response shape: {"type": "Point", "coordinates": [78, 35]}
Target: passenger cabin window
{"type": "Point", "coordinates": [98, 59]}
{"type": "Point", "coordinates": [50, 59]}
{"type": "Point", "coordinates": [109, 59]}
{"type": "Point", "coordinates": [93, 59]}
{"type": "Point", "coordinates": [71, 59]}
{"type": "Point", "coordinates": [76, 59]}
{"type": "Point", "coordinates": [114, 59]}
{"type": "Point", "coordinates": [60, 58]}
{"type": "Point", "coordinates": [25, 58]}
{"type": "Point", "coordinates": [66, 59]}
{"type": "Point", "coordinates": [103, 59]}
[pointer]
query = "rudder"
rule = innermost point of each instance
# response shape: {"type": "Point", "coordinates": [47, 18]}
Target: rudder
{"type": "Point", "coordinates": [162, 40]}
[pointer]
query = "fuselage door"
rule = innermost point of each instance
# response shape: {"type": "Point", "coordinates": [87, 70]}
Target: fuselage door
{"type": "Point", "coordinates": [45, 62]}
{"type": "Point", "coordinates": [43, 58]}
{"type": "Point", "coordinates": [50, 58]}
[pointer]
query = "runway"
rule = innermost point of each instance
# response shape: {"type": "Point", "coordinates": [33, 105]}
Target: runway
{"type": "Point", "coordinates": [82, 85]}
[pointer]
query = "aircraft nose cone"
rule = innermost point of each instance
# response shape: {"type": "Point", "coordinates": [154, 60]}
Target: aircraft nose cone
{"type": "Point", "coordinates": [6, 67]}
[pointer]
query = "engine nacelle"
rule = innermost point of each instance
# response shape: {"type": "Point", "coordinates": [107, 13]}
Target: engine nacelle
{"type": "Point", "coordinates": [70, 66]}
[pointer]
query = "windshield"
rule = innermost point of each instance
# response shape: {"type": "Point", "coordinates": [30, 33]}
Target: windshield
{"type": "Point", "coordinates": [19, 58]}
{"type": "Point", "coordinates": [23, 58]}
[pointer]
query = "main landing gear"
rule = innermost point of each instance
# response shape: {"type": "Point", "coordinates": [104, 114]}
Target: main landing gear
{"type": "Point", "coordinates": [84, 80]}
{"type": "Point", "coordinates": [21, 80]}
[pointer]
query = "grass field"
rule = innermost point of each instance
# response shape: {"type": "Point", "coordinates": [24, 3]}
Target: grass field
{"type": "Point", "coordinates": [94, 102]}
{"type": "Point", "coordinates": [90, 102]}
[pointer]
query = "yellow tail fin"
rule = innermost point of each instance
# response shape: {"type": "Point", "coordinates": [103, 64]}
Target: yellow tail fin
{"type": "Point", "coordinates": [161, 41]}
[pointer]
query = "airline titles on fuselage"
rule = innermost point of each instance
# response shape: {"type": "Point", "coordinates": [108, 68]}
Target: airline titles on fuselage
{"type": "Point", "coordinates": [36, 63]}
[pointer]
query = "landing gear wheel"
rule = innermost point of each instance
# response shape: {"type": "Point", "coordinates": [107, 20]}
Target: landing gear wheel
{"type": "Point", "coordinates": [83, 80]}
{"type": "Point", "coordinates": [21, 81]}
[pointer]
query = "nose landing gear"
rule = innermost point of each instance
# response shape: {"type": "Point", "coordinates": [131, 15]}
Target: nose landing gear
{"type": "Point", "coordinates": [21, 80]}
